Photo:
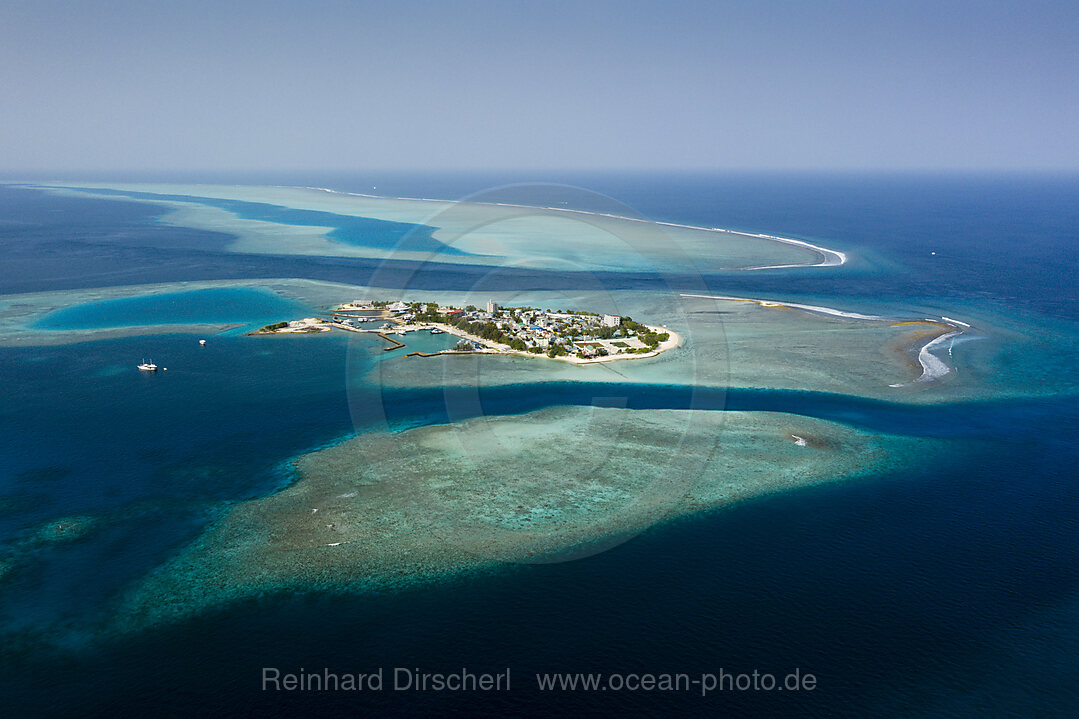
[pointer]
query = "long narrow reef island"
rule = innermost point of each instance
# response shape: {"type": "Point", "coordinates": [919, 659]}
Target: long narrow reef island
{"type": "Point", "coordinates": [568, 335]}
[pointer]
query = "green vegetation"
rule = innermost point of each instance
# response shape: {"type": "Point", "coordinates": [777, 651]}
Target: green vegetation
{"type": "Point", "coordinates": [486, 330]}
{"type": "Point", "coordinates": [652, 339]}
{"type": "Point", "coordinates": [606, 333]}
{"type": "Point", "coordinates": [629, 324]}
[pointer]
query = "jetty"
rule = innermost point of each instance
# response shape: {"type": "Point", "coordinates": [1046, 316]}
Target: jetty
{"type": "Point", "coordinates": [397, 344]}
{"type": "Point", "coordinates": [436, 354]}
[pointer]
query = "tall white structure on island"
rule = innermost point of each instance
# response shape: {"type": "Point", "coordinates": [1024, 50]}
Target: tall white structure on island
{"type": "Point", "coordinates": [492, 307]}
{"type": "Point", "coordinates": [611, 320]}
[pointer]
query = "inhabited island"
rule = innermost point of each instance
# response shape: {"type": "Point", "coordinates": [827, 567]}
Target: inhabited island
{"type": "Point", "coordinates": [569, 335]}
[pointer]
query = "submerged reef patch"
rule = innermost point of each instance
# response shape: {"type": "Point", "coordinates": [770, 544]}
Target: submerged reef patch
{"type": "Point", "coordinates": [383, 510]}
{"type": "Point", "coordinates": [65, 529]}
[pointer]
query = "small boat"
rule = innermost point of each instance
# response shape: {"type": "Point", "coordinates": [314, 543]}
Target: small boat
{"type": "Point", "coordinates": [148, 366]}
{"type": "Point", "coordinates": [437, 331]}
{"type": "Point", "coordinates": [202, 342]}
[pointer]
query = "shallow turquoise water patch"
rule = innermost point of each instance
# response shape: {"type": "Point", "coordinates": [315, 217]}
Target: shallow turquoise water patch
{"type": "Point", "coordinates": [209, 306]}
{"type": "Point", "coordinates": [346, 229]}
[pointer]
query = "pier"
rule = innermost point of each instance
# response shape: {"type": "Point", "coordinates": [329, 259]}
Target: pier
{"type": "Point", "coordinates": [436, 354]}
{"type": "Point", "coordinates": [397, 344]}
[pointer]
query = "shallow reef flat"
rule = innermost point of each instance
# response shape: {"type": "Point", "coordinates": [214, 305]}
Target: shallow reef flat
{"type": "Point", "coordinates": [737, 343]}
{"type": "Point", "coordinates": [999, 352]}
{"type": "Point", "coordinates": [480, 233]}
{"type": "Point", "coordinates": [878, 352]}
{"type": "Point", "coordinates": [386, 510]}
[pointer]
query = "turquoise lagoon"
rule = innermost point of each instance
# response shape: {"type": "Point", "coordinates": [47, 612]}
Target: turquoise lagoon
{"type": "Point", "coordinates": [224, 305]}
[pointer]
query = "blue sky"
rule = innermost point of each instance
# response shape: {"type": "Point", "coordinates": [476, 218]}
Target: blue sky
{"type": "Point", "coordinates": [539, 85]}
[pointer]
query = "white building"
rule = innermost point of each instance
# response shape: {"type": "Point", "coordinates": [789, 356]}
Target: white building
{"type": "Point", "coordinates": [611, 320]}
{"type": "Point", "coordinates": [397, 307]}
{"type": "Point", "coordinates": [492, 307]}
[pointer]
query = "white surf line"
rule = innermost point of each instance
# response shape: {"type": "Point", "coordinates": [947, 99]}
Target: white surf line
{"type": "Point", "coordinates": [829, 258]}
{"type": "Point", "coordinates": [933, 367]}
{"type": "Point", "coordinates": [776, 303]}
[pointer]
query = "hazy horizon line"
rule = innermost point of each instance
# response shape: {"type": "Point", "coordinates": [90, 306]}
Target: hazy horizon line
{"type": "Point", "coordinates": [19, 175]}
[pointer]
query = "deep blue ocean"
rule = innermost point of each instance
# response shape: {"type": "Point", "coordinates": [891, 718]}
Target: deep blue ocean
{"type": "Point", "coordinates": [945, 589]}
